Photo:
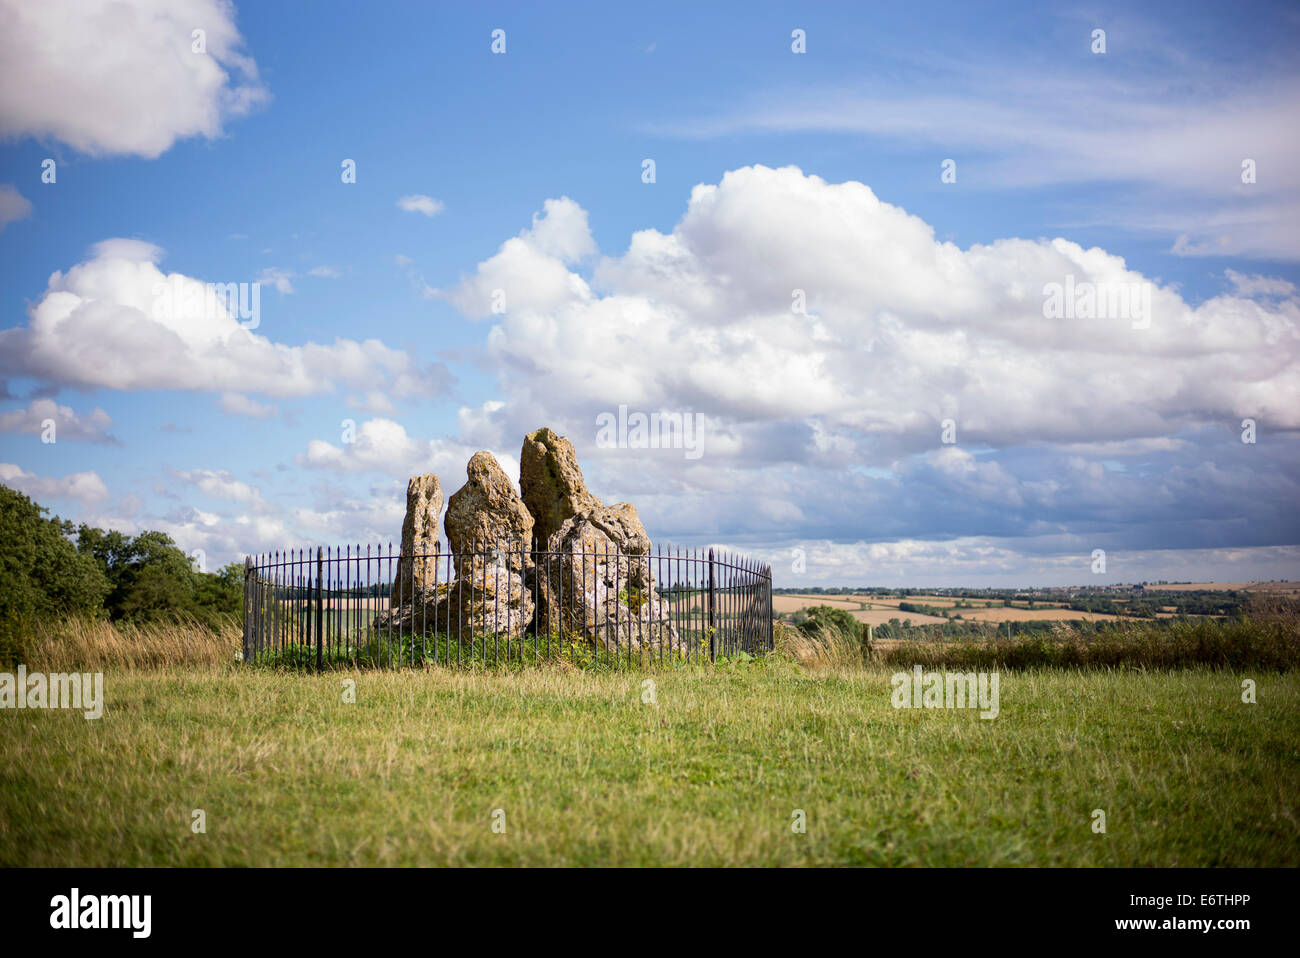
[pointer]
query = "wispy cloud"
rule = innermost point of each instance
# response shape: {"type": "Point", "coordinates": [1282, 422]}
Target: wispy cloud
{"type": "Point", "coordinates": [280, 279]}
{"type": "Point", "coordinates": [419, 203]}
{"type": "Point", "coordinates": [13, 205]}
{"type": "Point", "coordinates": [1182, 140]}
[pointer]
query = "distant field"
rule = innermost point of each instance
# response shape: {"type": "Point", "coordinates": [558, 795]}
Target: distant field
{"type": "Point", "coordinates": [1028, 615]}
{"type": "Point", "coordinates": [937, 600]}
{"type": "Point", "coordinates": [369, 603]}
{"type": "Point", "coordinates": [793, 603]}
{"type": "Point", "coordinates": [880, 610]}
{"type": "Point", "coordinates": [876, 613]}
{"type": "Point", "coordinates": [877, 609]}
{"type": "Point", "coordinates": [880, 616]}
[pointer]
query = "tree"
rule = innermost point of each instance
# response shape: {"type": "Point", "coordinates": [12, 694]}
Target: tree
{"type": "Point", "coordinates": [43, 574]}
{"type": "Point", "coordinates": [820, 617]}
{"type": "Point", "coordinates": [151, 579]}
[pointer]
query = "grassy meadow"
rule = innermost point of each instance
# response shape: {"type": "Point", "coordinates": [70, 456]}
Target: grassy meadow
{"type": "Point", "coordinates": [576, 767]}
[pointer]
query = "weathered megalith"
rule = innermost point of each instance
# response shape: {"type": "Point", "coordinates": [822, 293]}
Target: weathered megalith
{"type": "Point", "coordinates": [600, 582]}
{"type": "Point", "coordinates": [487, 598]}
{"type": "Point", "coordinates": [487, 512]}
{"type": "Point", "coordinates": [597, 577]}
{"type": "Point", "coordinates": [489, 532]}
{"type": "Point", "coordinates": [551, 482]}
{"type": "Point", "coordinates": [415, 567]}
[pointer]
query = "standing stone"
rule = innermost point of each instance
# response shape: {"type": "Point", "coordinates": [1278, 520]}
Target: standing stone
{"type": "Point", "coordinates": [487, 512]}
{"type": "Point", "coordinates": [551, 482]}
{"type": "Point", "coordinates": [600, 583]}
{"type": "Point", "coordinates": [486, 599]}
{"type": "Point", "coordinates": [419, 556]}
{"type": "Point", "coordinates": [597, 579]}
{"type": "Point", "coordinates": [621, 523]}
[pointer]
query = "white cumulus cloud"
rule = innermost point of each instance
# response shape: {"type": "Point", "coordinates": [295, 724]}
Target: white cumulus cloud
{"type": "Point", "coordinates": [122, 77]}
{"type": "Point", "coordinates": [823, 336]}
{"type": "Point", "coordinates": [68, 423]}
{"type": "Point", "coordinates": [900, 330]}
{"type": "Point", "coordinates": [84, 488]}
{"type": "Point", "coordinates": [384, 446]}
{"type": "Point", "coordinates": [117, 321]}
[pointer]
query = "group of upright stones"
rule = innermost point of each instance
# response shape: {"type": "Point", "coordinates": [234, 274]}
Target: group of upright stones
{"type": "Point", "coordinates": [594, 576]}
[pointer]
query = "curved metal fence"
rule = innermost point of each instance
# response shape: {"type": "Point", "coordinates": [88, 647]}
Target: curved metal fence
{"type": "Point", "coordinates": [499, 603]}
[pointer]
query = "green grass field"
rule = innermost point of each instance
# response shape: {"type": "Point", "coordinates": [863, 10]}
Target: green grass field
{"type": "Point", "coordinates": [587, 773]}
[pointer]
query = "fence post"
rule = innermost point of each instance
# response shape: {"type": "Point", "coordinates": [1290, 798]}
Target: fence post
{"type": "Point", "coordinates": [320, 606]}
{"type": "Point", "coordinates": [248, 605]}
{"type": "Point", "coordinates": [713, 641]}
{"type": "Point", "coordinates": [771, 637]}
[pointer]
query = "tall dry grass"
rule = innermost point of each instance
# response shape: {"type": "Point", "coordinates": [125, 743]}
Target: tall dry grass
{"type": "Point", "coordinates": [1270, 607]}
{"type": "Point", "coordinates": [81, 644]}
{"type": "Point", "coordinates": [824, 648]}
{"type": "Point", "coordinates": [1271, 643]}
{"type": "Point", "coordinates": [1267, 636]}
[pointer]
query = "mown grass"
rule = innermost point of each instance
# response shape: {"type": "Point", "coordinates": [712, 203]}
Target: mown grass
{"type": "Point", "coordinates": [589, 767]}
{"type": "Point", "coordinates": [589, 773]}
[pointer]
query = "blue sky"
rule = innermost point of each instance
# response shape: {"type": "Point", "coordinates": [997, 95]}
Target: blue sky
{"type": "Point", "coordinates": [822, 429]}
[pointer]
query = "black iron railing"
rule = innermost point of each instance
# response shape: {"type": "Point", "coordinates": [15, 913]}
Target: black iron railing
{"type": "Point", "coordinates": [498, 603]}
